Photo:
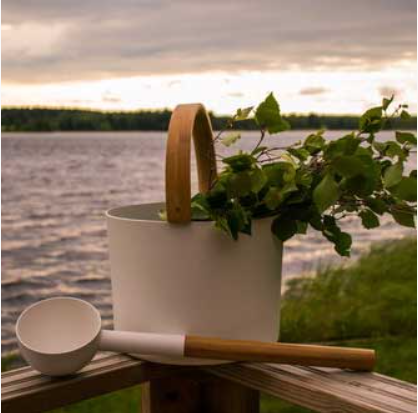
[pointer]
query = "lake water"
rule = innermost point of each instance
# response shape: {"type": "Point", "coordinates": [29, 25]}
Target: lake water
{"type": "Point", "coordinates": [56, 188]}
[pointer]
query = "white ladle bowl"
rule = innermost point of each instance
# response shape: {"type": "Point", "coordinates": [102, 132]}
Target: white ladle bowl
{"type": "Point", "coordinates": [59, 336]}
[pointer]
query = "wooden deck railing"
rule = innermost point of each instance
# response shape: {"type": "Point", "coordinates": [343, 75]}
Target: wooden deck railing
{"type": "Point", "coordinates": [219, 389]}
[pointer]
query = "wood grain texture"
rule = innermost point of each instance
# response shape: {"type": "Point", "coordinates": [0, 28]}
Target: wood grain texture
{"type": "Point", "coordinates": [320, 389]}
{"type": "Point", "coordinates": [299, 354]}
{"type": "Point", "coordinates": [196, 394]}
{"type": "Point", "coordinates": [324, 389]}
{"type": "Point", "coordinates": [187, 122]}
{"type": "Point", "coordinates": [26, 391]}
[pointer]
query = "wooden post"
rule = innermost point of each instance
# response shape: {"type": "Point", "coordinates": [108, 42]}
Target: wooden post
{"type": "Point", "coordinates": [198, 394]}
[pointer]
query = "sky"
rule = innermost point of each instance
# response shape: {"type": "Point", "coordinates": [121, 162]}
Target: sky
{"type": "Point", "coordinates": [324, 56]}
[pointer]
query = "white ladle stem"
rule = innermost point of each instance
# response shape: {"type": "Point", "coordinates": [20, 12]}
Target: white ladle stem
{"type": "Point", "coordinates": [142, 343]}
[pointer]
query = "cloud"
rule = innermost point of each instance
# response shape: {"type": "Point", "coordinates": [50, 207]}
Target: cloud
{"type": "Point", "coordinates": [313, 91]}
{"type": "Point", "coordinates": [60, 40]}
{"type": "Point", "coordinates": [173, 83]}
{"type": "Point", "coordinates": [235, 94]}
{"type": "Point", "coordinates": [387, 91]}
{"type": "Point", "coordinates": [108, 97]}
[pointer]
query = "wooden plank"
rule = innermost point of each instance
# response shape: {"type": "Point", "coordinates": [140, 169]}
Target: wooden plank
{"type": "Point", "coordinates": [198, 393]}
{"type": "Point", "coordinates": [322, 389]}
{"type": "Point", "coordinates": [26, 391]}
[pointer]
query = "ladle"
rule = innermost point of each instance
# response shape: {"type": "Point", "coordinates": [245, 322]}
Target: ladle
{"type": "Point", "coordinates": [59, 336]}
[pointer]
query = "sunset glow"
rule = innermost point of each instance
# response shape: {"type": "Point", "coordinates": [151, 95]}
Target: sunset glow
{"type": "Point", "coordinates": [327, 61]}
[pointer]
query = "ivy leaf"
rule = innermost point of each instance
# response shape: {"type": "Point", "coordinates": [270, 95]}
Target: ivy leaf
{"type": "Point", "coordinates": [239, 184]}
{"type": "Point", "coordinates": [405, 115]}
{"type": "Point", "coordinates": [243, 114]}
{"type": "Point", "coordinates": [199, 214]}
{"type": "Point", "coordinates": [386, 102]}
{"type": "Point", "coordinates": [302, 227]}
{"type": "Point", "coordinates": [247, 228]}
{"type": "Point", "coordinates": [403, 217]}
{"type": "Point", "coordinates": [380, 147]}
{"type": "Point", "coordinates": [303, 177]}
{"type": "Point", "coordinates": [284, 228]}
{"type": "Point", "coordinates": [231, 138]}
{"type": "Point", "coordinates": [376, 205]}
{"type": "Point", "coordinates": [393, 149]}
{"type": "Point", "coordinates": [280, 173]}
{"type": "Point", "coordinates": [268, 116]}
{"type": "Point", "coordinates": [365, 153]}
{"type": "Point", "coordinates": [332, 232]}
{"type": "Point", "coordinates": [258, 180]}
{"type": "Point", "coordinates": [217, 198]}
{"type": "Point", "coordinates": [365, 184]}
{"type": "Point", "coordinates": [221, 223]}
{"type": "Point", "coordinates": [237, 220]}
{"type": "Point", "coordinates": [315, 219]}
{"type": "Point", "coordinates": [360, 186]}
{"type": "Point", "coordinates": [347, 145]}
{"type": "Point", "coordinates": [369, 219]}
{"type": "Point", "coordinates": [314, 143]}
{"type": "Point", "coordinates": [326, 193]}
{"type": "Point", "coordinates": [403, 137]}
{"type": "Point", "coordinates": [348, 166]}
{"type": "Point", "coordinates": [299, 153]}
{"type": "Point", "coordinates": [393, 175]}
{"type": "Point", "coordinates": [406, 189]}
{"type": "Point", "coordinates": [289, 172]}
{"type": "Point", "coordinates": [289, 187]}
{"type": "Point", "coordinates": [200, 208]}
{"type": "Point", "coordinates": [273, 198]}
{"type": "Point", "coordinates": [240, 162]}
{"type": "Point", "coordinates": [371, 120]}
{"type": "Point", "coordinates": [343, 244]}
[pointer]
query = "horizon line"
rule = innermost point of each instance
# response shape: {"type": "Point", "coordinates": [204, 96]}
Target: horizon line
{"type": "Point", "coordinates": [165, 109]}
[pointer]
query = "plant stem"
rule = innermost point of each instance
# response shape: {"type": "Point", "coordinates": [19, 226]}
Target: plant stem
{"type": "Point", "coordinates": [229, 123]}
{"type": "Point", "coordinates": [263, 134]}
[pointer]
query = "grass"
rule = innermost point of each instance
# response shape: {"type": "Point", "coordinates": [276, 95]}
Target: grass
{"type": "Point", "coordinates": [10, 361]}
{"type": "Point", "coordinates": [124, 401]}
{"type": "Point", "coordinates": [376, 297]}
{"type": "Point", "coordinates": [396, 358]}
{"type": "Point", "coordinates": [371, 304]}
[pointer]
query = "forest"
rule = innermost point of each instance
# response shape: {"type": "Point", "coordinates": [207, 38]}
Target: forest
{"type": "Point", "coordinates": [50, 120]}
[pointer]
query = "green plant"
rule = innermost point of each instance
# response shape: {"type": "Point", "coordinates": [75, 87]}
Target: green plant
{"type": "Point", "coordinates": [312, 183]}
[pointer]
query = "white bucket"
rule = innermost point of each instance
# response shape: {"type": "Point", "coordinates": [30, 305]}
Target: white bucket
{"type": "Point", "coordinates": [189, 278]}
{"type": "Point", "coordinates": [192, 279]}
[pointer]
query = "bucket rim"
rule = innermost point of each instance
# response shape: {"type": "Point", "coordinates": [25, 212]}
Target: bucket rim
{"type": "Point", "coordinates": [146, 213]}
{"type": "Point", "coordinates": [121, 213]}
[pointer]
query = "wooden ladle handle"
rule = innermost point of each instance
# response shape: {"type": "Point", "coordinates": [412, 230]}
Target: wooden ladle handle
{"type": "Point", "coordinates": [187, 121]}
{"type": "Point", "coordinates": [299, 354]}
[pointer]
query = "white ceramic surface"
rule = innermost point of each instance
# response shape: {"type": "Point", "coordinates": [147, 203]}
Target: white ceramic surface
{"type": "Point", "coordinates": [192, 279]}
{"type": "Point", "coordinates": [59, 336]}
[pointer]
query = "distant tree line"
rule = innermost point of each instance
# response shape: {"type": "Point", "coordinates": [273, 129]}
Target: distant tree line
{"type": "Point", "coordinates": [48, 120]}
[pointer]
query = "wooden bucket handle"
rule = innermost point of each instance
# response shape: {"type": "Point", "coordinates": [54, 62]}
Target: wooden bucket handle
{"type": "Point", "coordinates": [187, 121]}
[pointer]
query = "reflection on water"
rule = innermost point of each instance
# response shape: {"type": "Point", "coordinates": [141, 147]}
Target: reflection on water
{"type": "Point", "coordinates": [56, 188]}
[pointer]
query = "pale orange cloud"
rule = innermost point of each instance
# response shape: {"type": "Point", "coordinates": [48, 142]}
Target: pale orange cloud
{"type": "Point", "coordinates": [333, 55]}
